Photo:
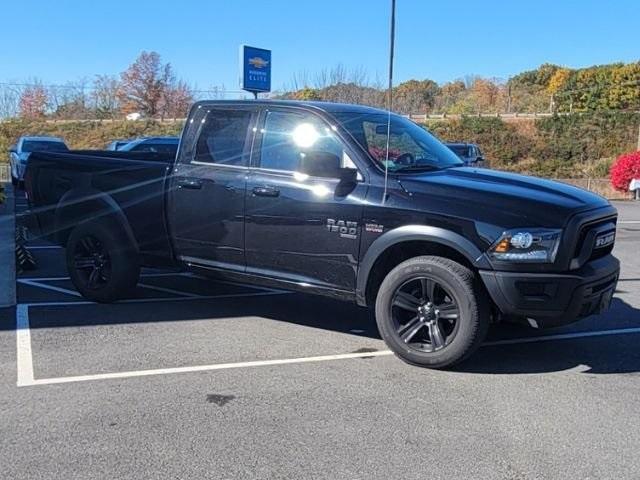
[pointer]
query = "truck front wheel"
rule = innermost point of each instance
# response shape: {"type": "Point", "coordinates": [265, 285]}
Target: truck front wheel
{"type": "Point", "coordinates": [431, 313]}
{"type": "Point", "coordinates": [102, 263]}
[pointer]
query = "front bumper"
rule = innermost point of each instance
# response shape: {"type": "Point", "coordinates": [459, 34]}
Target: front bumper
{"type": "Point", "coordinates": [554, 299]}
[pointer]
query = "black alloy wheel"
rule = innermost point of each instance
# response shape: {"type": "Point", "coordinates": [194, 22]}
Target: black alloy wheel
{"type": "Point", "coordinates": [92, 262]}
{"type": "Point", "coordinates": [103, 263]}
{"type": "Point", "coordinates": [432, 311]}
{"type": "Point", "coordinates": [425, 314]}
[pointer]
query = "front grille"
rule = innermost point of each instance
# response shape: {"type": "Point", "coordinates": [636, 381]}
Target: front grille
{"type": "Point", "coordinates": [587, 253]}
{"type": "Point", "coordinates": [601, 252]}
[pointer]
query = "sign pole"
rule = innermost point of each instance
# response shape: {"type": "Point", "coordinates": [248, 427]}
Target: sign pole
{"type": "Point", "coordinates": [392, 34]}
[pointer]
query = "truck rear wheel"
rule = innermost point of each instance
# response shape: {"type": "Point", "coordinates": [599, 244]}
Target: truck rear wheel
{"type": "Point", "coordinates": [431, 313]}
{"type": "Point", "coordinates": [102, 263]}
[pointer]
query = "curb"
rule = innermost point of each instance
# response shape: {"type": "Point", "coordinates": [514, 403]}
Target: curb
{"type": "Point", "coordinates": [8, 249]}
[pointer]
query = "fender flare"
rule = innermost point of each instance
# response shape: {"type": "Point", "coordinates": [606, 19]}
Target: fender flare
{"type": "Point", "coordinates": [73, 201]}
{"type": "Point", "coordinates": [410, 233]}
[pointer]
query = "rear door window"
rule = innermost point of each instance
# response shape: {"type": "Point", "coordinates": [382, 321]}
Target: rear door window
{"type": "Point", "coordinates": [222, 137]}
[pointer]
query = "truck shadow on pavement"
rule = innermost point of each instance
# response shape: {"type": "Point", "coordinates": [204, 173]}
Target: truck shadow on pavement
{"type": "Point", "coordinates": [598, 354]}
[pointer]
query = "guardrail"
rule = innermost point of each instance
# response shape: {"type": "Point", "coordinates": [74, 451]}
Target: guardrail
{"type": "Point", "coordinates": [421, 117]}
{"type": "Point", "coordinates": [417, 117]}
{"type": "Point", "coordinates": [103, 120]}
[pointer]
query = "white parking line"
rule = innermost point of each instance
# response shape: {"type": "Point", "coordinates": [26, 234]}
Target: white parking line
{"type": "Point", "coordinates": [150, 275]}
{"type": "Point", "coordinates": [206, 368]}
{"type": "Point", "coordinates": [24, 356]}
{"type": "Point", "coordinates": [37, 284]}
{"type": "Point", "coordinates": [169, 290]}
{"type": "Point", "coordinates": [563, 336]}
{"type": "Point", "coordinates": [156, 300]}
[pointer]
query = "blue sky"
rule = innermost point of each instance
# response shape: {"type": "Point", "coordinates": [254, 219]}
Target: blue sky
{"type": "Point", "coordinates": [62, 41]}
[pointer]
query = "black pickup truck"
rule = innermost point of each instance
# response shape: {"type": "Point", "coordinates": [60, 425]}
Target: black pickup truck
{"type": "Point", "coordinates": [308, 196]}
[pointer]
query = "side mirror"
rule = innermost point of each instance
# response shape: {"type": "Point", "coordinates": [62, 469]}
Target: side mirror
{"type": "Point", "coordinates": [348, 181]}
{"type": "Point", "coordinates": [13, 149]}
{"type": "Point", "coordinates": [348, 175]}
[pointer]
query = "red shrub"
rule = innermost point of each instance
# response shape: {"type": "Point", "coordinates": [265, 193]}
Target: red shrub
{"type": "Point", "coordinates": [625, 168]}
{"type": "Point", "coordinates": [380, 153]}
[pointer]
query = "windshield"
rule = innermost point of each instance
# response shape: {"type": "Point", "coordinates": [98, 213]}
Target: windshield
{"type": "Point", "coordinates": [461, 150]}
{"type": "Point", "coordinates": [43, 146]}
{"type": "Point", "coordinates": [411, 147]}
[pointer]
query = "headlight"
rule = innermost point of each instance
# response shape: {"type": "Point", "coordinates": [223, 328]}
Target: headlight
{"type": "Point", "coordinates": [527, 245]}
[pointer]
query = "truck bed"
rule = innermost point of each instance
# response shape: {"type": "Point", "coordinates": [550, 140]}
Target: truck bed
{"type": "Point", "coordinates": [130, 185]}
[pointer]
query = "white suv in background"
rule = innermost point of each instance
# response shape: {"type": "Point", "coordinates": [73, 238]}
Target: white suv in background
{"type": "Point", "coordinates": [19, 153]}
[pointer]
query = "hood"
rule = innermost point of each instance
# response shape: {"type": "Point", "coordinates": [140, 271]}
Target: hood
{"type": "Point", "coordinates": [502, 198]}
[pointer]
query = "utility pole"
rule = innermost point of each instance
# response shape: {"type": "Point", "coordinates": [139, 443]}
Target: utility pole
{"type": "Point", "coordinates": [391, 47]}
{"type": "Point", "coordinates": [392, 35]}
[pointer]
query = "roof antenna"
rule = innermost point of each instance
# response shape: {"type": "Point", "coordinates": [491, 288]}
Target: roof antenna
{"type": "Point", "coordinates": [389, 96]}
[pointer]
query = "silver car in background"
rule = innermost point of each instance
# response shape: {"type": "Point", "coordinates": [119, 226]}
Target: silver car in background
{"type": "Point", "coordinates": [118, 144]}
{"type": "Point", "coordinates": [19, 153]}
{"type": "Point", "coordinates": [164, 145]}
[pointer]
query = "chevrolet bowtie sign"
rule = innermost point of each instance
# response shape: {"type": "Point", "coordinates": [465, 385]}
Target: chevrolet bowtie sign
{"type": "Point", "coordinates": [255, 69]}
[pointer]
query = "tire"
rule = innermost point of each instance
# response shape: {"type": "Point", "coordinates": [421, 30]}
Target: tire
{"type": "Point", "coordinates": [432, 312]}
{"type": "Point", "coordinates": [102, 262]}
{"type": "Point", "coordinates": [14, 181]}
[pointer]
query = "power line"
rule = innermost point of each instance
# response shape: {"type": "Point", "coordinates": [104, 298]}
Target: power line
{"type": "Point", "coordinates": [220, 89]}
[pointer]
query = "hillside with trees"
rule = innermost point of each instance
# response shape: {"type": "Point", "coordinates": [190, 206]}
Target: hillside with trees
{"type": "Point", "coordinates": [549, 88]}
{"type": "Point", "coordinates": [595, 111]}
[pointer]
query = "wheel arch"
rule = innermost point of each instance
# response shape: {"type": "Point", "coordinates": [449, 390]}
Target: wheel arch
{"type": "Point", "coordinates": [80, 205]}
{"type": "Point", "coordinates": [409, 241]}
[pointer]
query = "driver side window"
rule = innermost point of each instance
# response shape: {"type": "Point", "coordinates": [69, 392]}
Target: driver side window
{"type": "Point", "coordinates": [291, 141]}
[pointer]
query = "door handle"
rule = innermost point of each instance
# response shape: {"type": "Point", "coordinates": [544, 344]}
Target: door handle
{"type": "Point", "coordinates": [190, 183]}
{"type": "Point", "coordinates": [266, 192]}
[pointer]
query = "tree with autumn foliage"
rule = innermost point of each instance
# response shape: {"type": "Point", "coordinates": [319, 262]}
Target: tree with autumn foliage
{"type": "Point", "coordinates": [306, 93]}
{"type": "Point", "coordinates": [33, 102]}
{"type": "Point", "coordinates": [149, 86]}
{"type": "Point", "coordinates": [415, 96]}
{"type": "Point", "coordinates": [176, 100]}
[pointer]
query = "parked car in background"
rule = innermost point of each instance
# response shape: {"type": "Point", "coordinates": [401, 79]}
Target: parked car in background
{"type": "Point", "coordinates": [153, 144]}
{"type": "Point", "coordinates": [19, 153]}
{"type": "Point", "coordinates": [118, 144]}
{"type": "Point", "coordinates": [469, 153]}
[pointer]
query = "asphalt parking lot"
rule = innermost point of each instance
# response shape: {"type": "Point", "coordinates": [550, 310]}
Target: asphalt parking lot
{"type": "Point", "coordinates": [193, 378]}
